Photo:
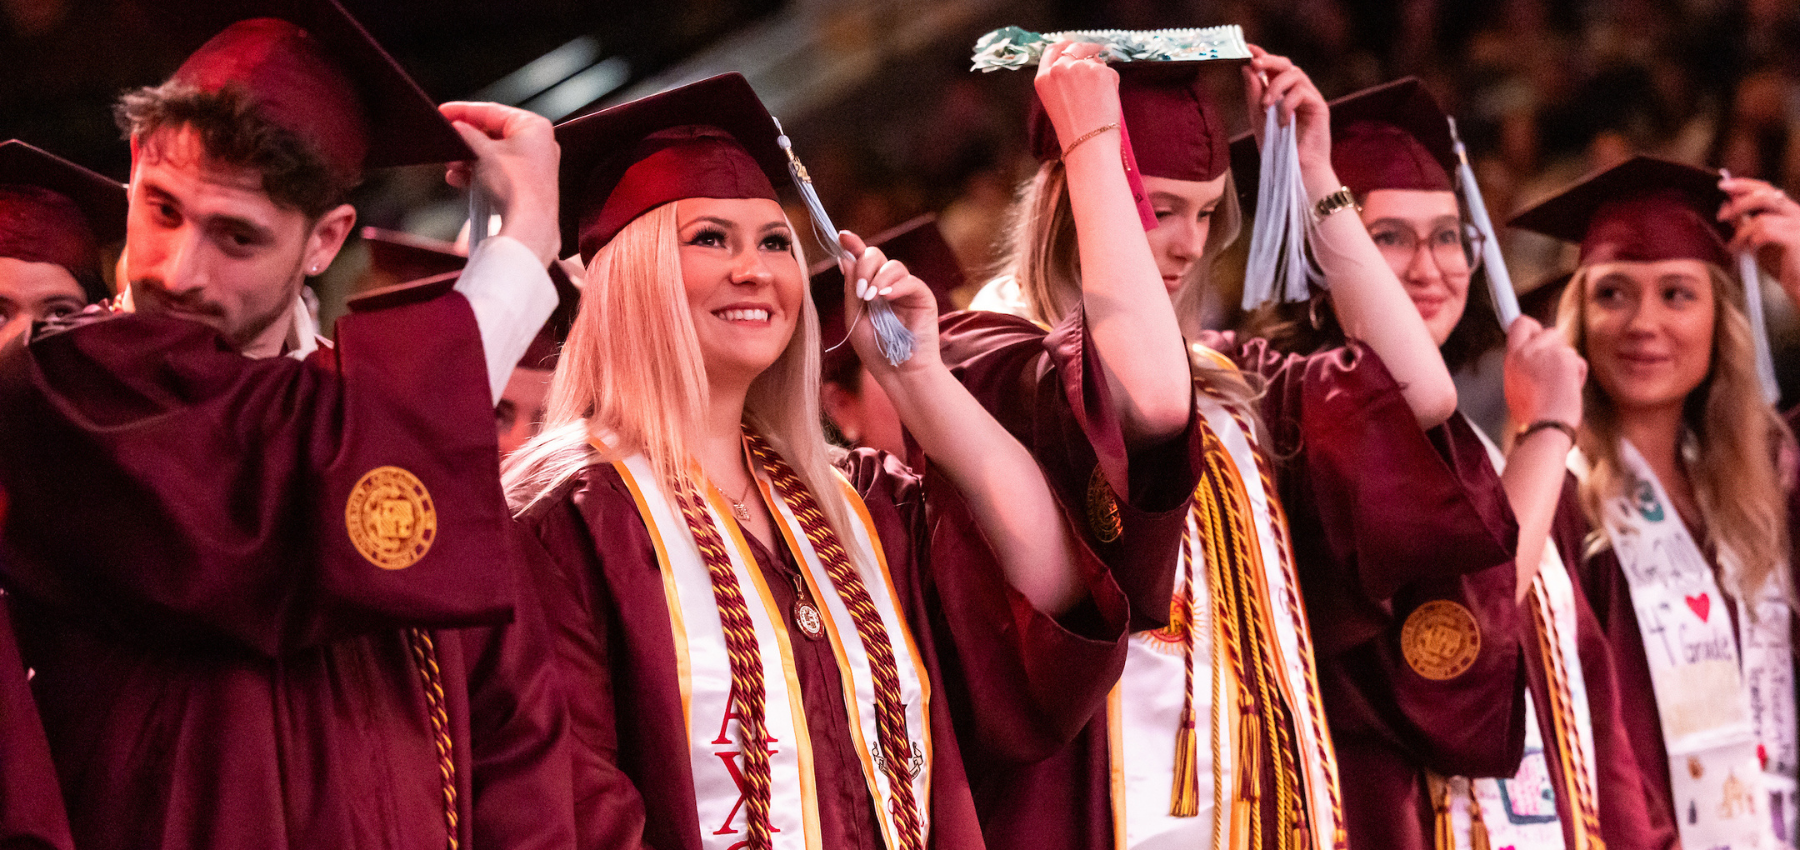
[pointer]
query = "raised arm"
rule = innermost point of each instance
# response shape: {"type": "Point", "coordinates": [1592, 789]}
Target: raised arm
{"type": "Point", "coordinates": [1544, 376]}
{"type": "Point", "coordinates": [1370, 303]}
{"type": "Point", "coordinates": [505, 279]}
{"type": "Point", "coordinates": [997, 477]}
{"type": "Point", "coordinates": [1129, 316]}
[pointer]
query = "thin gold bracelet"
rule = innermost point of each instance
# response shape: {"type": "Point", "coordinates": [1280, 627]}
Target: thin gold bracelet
{"type": "Point", "coordinates": [1088, 135]}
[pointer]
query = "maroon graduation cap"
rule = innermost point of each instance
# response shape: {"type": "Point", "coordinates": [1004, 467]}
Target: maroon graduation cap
{"type": "Point", "coordinates": [1175, 127]}
{"type": "Point", "coordinates": [1392, 136]}
{"type": "Point", "coordinates": [1642, 210]}
{"type": "Point", "coordinates": [54, 211]}
{"type": "Point", "coordinates": [313, 70]}
{"type": "Point", "coordinates": [710, 139]}
{"type": "Point", "coordinates": [413, 261]}
{"type": "Point", "coordinates": [398, 257]}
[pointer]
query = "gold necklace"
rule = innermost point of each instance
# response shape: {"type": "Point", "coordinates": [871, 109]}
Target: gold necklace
{"type": "Point", "coordinates": [740, 507]}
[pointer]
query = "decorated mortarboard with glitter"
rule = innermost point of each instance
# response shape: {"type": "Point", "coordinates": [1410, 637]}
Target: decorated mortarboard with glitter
{"type": "Point", "coordinates": [1648, 210]}
{"type": "Point", "coordinates": [54, 211]}
{"type": "Point", "coordinates": [710, 139]}
{"type": "Point", "coordinates": [313, 70]}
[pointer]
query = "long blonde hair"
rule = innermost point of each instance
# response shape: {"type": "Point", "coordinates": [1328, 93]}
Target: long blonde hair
{"type": "Point", "coordinates": [1038, 251]}
{"type": "Point", "coordinates": [1736, 438]}
{"type": "Point", "coordinates": [632, 371]}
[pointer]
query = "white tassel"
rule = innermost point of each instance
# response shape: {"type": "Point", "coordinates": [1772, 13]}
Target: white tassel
{"type": "Point", "coordinates": [1506, 301]}
{"type": "Point", "coordinates": [1759, 329]}
{"type": "Point", "coordinates": [1277, 269]}
{"type": "Point", "coordinates": [480, 215]}
{"type": "Point", "coordinates": [895, 339]}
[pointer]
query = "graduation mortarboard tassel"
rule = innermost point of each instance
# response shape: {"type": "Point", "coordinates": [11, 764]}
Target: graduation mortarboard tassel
{"type": "Point", "coordinates": [896, 341]}
{"type": "Point", "coordinates": [1277, 269]}
{"type": "Point", "coordinates": [1759, 327]}
{"type": "Point", "coordinates": [1506, 301]}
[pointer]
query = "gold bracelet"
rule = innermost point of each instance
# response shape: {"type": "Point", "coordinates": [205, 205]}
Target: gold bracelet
{"type": "Point", "coordinates": [1546, 425]}
{"type": "Point", "coordinates": [1341, 199]}
{"type": "Point", "coordinates": [1088, 135]}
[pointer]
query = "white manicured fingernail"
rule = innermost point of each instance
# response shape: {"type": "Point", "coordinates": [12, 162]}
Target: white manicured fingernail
{"type": "Point", "coordinates": [886, 290]}
{"type": "Point", "coordinates": [862, 286]}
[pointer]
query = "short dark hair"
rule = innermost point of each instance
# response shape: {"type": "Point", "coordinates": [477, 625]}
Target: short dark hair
{"type": "Point", "coordinates": [295, 174]}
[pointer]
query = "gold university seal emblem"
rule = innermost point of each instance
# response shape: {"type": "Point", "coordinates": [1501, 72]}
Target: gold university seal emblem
{"type": "Point", "coordinates": [1102, 508]}
{"type": "Point", "coordinates": [390, 517]}
{"type": "Point", "coordinates": [1440, 640]}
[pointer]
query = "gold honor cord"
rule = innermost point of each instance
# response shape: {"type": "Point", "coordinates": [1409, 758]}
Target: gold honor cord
{"type": "Point", "coordinates": [425, 658]}
{"type": "Point", "coordinates": [1582, 803]}
{"type": "Point", "coordinates": [1314, 705]}
{"type": "Point", "coordinates": [745, 657]}
{"type": "Point", "coordinates": [890, 711]}
{"type": "Point", "coordinates": [1223, 511]}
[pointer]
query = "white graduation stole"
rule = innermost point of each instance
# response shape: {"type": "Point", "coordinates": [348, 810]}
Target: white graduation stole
{"type": "Point", "coordinates": [1521, 811]}
{"type": "Point", "coordinates": [1725, 699]}
{"type": "Point", "coordinates": [705, 673]}
{"type": "Point", "coordinates": [1144, 709]}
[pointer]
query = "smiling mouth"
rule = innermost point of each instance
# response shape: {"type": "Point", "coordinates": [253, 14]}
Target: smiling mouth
{"type": "Point", "coordinates": [753, 314]}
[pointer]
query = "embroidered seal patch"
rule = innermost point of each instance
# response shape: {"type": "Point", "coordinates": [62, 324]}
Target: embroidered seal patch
{"type": "Point", "coordinates": [1440, 640]}
{"type": "Point", "coordinates": [1102, 508]}
{"type": "Point", "coordinates": [390, 518]}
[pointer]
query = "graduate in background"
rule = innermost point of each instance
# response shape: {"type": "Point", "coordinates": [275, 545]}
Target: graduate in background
{"type": "Point", "coordinates": [1576, 785]}
{"type": "Point", "coordinates": [403, 259]}
{"type": "Point", "coordinates": [1217, 735]}
{"type": "Point", "coordinates": [264, 585]}
{"type": "Point", "coordinates": [1689, 563]}
{"type": "Point", "coordinates": [765, 639]}
{"type": "Point", "coordinates": [851, 399]}
{"type": "Point", "coordinates": [56, 218]}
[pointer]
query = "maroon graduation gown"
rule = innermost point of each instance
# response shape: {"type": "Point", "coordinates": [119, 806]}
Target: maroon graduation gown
{"type": "Point", "coordinates": [1048, 390]}
{"type": "Point", "coordinates": [1360, 542]}
{"type": "Point", "coordinates": [1014, 682]}
{"type": "Point", "coordinates": [31, 806]}
{"type": "Point", "coordinates": [1387, 518]}
{"type": "Point", "coordinates": [217, 665]}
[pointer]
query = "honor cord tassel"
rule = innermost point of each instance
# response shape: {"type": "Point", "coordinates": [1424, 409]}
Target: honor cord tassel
{"type": "Point", "coordinates": [1278, 269]}
{"type": "Point", "coordinates": [896, 341]}
{"type": "Point", "coordinates": [1759, 329]}
{"type": "Point", "coordinates": [1506, 301]}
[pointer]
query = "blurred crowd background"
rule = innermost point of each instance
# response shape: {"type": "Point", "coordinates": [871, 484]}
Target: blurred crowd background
{"type": "Point", "coordinates": [883, 108]}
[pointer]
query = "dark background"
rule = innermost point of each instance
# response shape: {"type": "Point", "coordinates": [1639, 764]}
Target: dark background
{"type": "Point", "coordinates": [880, 102]}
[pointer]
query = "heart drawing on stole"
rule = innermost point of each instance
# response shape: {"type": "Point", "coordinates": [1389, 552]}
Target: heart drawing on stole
{"type": "Point", "coordinates": [1701, 605]}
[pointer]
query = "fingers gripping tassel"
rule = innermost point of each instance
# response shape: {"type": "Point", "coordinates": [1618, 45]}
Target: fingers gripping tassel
{"type": "Point", "coordinates": [1278, 269]}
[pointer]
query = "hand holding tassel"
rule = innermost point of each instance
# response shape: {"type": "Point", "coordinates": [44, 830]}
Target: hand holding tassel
{"type": "Point", "coordinates": [874, 282]}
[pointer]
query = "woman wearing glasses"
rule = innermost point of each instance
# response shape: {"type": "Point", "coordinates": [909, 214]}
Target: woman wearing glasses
{"type": "Point", "coordinates": [1406, 713]}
